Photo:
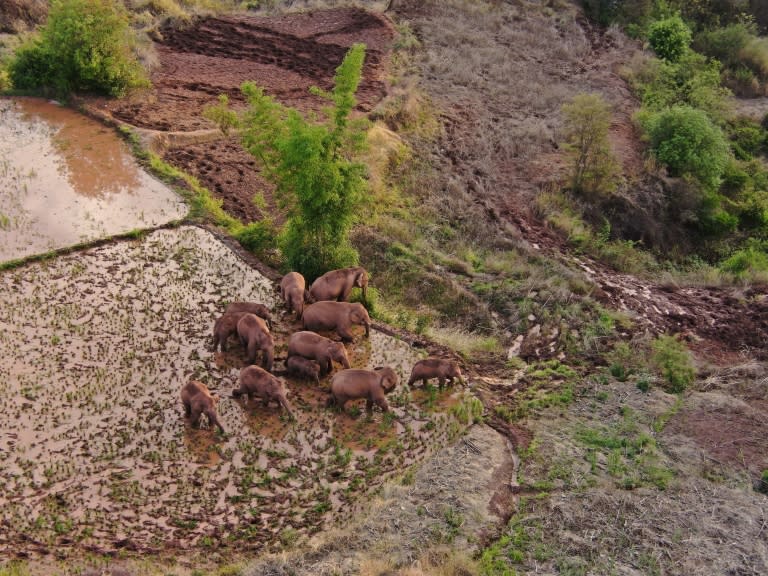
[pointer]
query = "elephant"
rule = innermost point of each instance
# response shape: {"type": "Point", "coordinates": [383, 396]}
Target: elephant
{"type": "Point", "coordinates": [197, 400]}
{"type": "Point", "coordinates": [224, 327]}
{"type": "Point", "coordinates": [315, 347]}
{"type": "Point", "coordinates": [338, 284]}
{"type": "Point", "coordinates": [300, 366]}
{"type": "Point", "coordinates": [253, 308]}
{"type": "Point", "coordinates": [369, 384]}
{"type": "Point", "coordinates": [255, 381]}
{"type": "Point", "coordinates": [435, 368]}
{"type": "Point", "coordinates": [339, 316]}
{"type": "Point", "coordinates": [293, 289]}
{"type": "Point", "coordinates": [254, 336]}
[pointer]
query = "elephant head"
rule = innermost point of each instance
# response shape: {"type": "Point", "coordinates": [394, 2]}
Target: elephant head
{"type": "Point", "coordinates": [388, 378]}
{"type": "Point", "coordinates": [361, 280]}
{"type": "Point", "coordinates": [338, 353]}
{"type": "Point", "coordinates": [359, 315]}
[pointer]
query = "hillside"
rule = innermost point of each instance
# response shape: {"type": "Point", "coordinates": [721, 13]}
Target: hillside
{"type": "Point", "coordinates": [592, 462]}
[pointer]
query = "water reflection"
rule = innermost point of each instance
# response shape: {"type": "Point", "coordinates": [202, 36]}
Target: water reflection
{"type": "Point", "coordinates": [65, 178]}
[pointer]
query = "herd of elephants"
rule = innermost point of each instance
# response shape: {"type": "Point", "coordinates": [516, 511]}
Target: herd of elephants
{"type": "Point", "coordinates": [323, 307]}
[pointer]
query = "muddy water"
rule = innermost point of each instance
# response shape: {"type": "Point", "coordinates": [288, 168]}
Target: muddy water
{"type": "Point", "coordinates": [94, 450]}
{"type": "Point", "coordinates": [65, 178]}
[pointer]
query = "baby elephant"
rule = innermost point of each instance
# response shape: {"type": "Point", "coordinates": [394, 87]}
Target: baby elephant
{"type": "Point", "coordinates": [435, 368]}
{"type": "Point", "coordinates": [255, 381]}
{"type": "Point", "coordinates": [252, 308]}
{"type": "Point", "coordinates": [303, 368]}
{"type": "Point", "coordinates": [224, 327]}
{"type": "Point", "coordinates": [369, 384]}
{"type": "Point", "coordinates": [293, 289]}
{"type": "Point", "coordinates": [197, 400]}
{"type": "Point", "coordinates": [255, 336]}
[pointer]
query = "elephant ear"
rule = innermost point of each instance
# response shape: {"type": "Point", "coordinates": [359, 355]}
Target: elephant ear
{"type": "Point", "coordinates": [361, 277]}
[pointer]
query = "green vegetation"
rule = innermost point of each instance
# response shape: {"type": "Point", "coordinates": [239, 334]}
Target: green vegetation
{"type": "Point", "coordinates": [674, 362]}
{"type": "Point", "coordinates": [86, 45]}
{"type": "Point", "coordinates": [312, 162]}
{"type": "Point", "coordinates": [587, 119]}
{"type": "Point", "coordinates": [669, 38]}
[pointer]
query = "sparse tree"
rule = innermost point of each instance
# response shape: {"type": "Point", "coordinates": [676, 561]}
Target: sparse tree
{"type": "Point", "coordinates": [313, 163]}
{"type": "Point", "coordinates": [587, 120]}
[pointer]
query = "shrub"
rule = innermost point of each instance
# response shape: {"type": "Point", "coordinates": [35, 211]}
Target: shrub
{"type": "Point", "coordinates": [755, 56]}
{"type": "Point", "coordinates": [747, 261]}
{"type": "Point", "coordinates": [85, 45]}
{"type": "Point", "coordinates": [689, 144]}
{"type": "Point", "coordinates": [670, 38]}
{"type": "Point", "coordinates": [725, 43]}
{"type": "Point", "coordinates": [762, 483]}
{"type": "Point", "coordinates": [674, 363]}
{"type": "Point", "coordinates": [587, 120]}
{"type": "Point", "coordinates": [693, 80]}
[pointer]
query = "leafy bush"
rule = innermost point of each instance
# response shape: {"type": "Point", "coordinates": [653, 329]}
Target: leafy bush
{"type": "Point", "coordinates": [670, 38]}
{"type": "Point", "coordinates": [674, 363]}
{"type": "Point", "coordinates": [587, 120]}
{"type": "Point", "coordinates": [693, 80]}
{"type": "Point", "coordinates": [85, 45]}
{"type": "Point", "coordinates": [747, 138]}
{"type": "Point", "coordinates": [747, 261]}
{"type": "Point", "coordinates": [762, 483]}
{"type": "Point", "coordinates": [258, 237]}
{"type": "Point", "coordinates": [689, 144]}
{"type": "Point", "coordinates": [755, 56]}
{"type": "Point", "coordinates": [725, 43]}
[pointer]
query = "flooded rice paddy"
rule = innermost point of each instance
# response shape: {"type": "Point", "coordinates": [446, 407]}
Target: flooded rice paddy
{"type": "Point", "coordinates": [95, 453]}
{"type": "Point", "coordinates": [66, 179]}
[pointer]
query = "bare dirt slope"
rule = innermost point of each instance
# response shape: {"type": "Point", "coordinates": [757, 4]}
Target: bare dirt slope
{"type": "Point", "coordinates": [285, 55]}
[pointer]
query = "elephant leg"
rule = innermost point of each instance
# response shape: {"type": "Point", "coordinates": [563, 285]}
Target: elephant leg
{"type": "Point", "coordinates": [187, 409]}
{"type": "Point", "coordinates": [382, 403]}
{"type": "Point", "coordinates": [252, 351]}
{"type": "Point", "coordinates": [424, 382]}
{"type": "Point", "coordinates": [441, 382]}
{"type": "Point", "coordinates": [346, 335]}
{"type": "Point", "coordinates": [195, 420]}
{"type": "Point", "coordinates": [369, 405]}
{"type": "Point", "coordinates": [411, 380]}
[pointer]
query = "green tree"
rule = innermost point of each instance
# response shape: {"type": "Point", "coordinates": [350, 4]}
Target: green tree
{"type": "Point", "coordinates": [85, 45]}
{"type": "Point", "coordinates": [689, 144]}
{"type": "Point", "coordinates": [312, 163]}
{"type": "Point", "coordinates": [587, 120]}
{"type": "Point", "coordinates": [670, 38]}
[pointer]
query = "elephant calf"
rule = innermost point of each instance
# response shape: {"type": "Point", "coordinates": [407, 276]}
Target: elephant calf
{"type": "Point", "coordinates": [255, 336]}
{"type": "Point", "coordinates": [224, 327]}
{"type": "Point", "coordinates": [304, 368]}
{"type": "Point", "coordinates": [197, 400]}
{"type": "Point", "coordinates": [435, 368]}
{"type": "Point", "coordinates": [339, 316]}
{"type": "Point", "coordinates": [315, 347]}
{"type": "Point", "coordinates": [252, 308]}
{"type": "Point", "coordinates": [293, 289]}
{"type": "Point", "coordinates": [369, 384]}
{"type": "Point", "coordinates": [338, 284]}
{"type": "Point", "coordinates": [255, 381]}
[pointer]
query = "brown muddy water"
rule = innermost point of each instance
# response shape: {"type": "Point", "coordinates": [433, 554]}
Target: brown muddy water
{"type": "Point", "coordinates": [95, 454]}
{"type": "Point", "coordinates": [66, 179]}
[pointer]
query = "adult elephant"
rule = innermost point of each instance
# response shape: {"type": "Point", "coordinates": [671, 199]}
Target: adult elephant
{"type": "Point", "coordinates": [338, 284]}
{"type": "Point", "coordinates": [369, 384]}
{"type": "Point", "coordinates": [339, 316]}
{"type": "Point", "coordinates": [315, 347]}
{"type": "Point", "coordinates": [254, 336]}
